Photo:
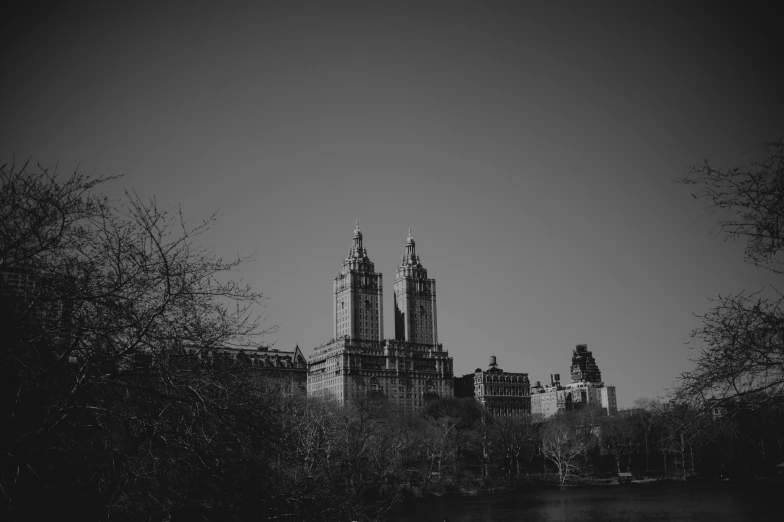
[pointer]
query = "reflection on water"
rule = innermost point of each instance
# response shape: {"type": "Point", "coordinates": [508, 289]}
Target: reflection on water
{"type": "Point", "coordinates": [670, 502]}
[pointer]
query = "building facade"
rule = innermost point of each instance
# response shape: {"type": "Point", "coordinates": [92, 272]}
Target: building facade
{"type": "Point", "coordinates": [503, 393]}
{"type": "Point", "coordinates": [585, 394]}
{"type": "Point", "coordinates": [288, 368]}
{"type": "Point", "coordinates": [608, 400]}
{"type": "Point", "coordinates": [358, 363]}
{"type": "Point", "coordinates": [464, 386]}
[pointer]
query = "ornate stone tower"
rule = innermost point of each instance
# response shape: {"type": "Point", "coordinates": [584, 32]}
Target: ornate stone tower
{"type": "Point", "coordinates": [415, 300]}
{"type": "Point", "coordinates": [358, 304]}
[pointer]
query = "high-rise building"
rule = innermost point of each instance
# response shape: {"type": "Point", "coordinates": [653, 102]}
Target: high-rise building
{"type": "Point", "coordinates": [584, 368]}
{"type": "Point", "coordinates": [358, 362]}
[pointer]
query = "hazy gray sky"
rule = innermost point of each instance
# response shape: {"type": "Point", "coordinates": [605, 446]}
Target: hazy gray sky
{"type": "Point", "coordinates": [530, 147]}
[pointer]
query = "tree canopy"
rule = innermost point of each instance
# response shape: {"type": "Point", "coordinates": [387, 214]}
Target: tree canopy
{"type": "Point", "coordinates": [106, 308]}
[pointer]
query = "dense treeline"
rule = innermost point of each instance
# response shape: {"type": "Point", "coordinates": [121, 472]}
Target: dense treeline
{"type": "Point", "coordinates": [658, 439]}
{"type": "Point", "coordinates": [653, 439]}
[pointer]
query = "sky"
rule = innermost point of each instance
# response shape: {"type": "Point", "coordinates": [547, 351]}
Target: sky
{"type": "Point", "coordinates": [531, 147]}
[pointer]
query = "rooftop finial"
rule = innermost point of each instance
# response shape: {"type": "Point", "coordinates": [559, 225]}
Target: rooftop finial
{"type": "Point", "coordinates": [357, 232]}
{"type": "Point", "coordinates": [409, 234]}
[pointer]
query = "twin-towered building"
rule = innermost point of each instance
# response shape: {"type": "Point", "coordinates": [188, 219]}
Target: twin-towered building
{"type": "Point", "coordinates": [413, 367]}
{"type": "Point", "coordinates": [358, 361]}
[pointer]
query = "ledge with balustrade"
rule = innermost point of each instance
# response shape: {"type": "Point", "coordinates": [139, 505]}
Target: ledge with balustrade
{"type": "Point", "coordinates": [373, 347]}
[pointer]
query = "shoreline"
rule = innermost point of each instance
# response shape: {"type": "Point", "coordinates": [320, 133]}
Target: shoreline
{"type": "Point", "coordinates": [534, 484]}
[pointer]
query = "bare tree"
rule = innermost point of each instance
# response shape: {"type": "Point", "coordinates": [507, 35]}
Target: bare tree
{"type": "Point", "coordinates": [617, 438]}
{"type": "Point", "coordinates": [512, 436]}
{"type": "Point", "coordinates": [687, 433]}
{"type": "Point", "coordinates": [741, 340]}
{"type": "Point", "coordinates": [644, 419]}
{"type": "Point", "coordinates": [483, 442]}
{"type": "Point", "coordinates": [439, 447]}
{"type": "Point", "coordinates": [563, 441]}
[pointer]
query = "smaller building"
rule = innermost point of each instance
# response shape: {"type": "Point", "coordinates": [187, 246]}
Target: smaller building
{"type": "Point", "coordinates": [503, 393]}
{"type": "Point", "coordinates": [548, 400]}
{"type": "Point", "coordinates": [288, 367]}
{"type": "Point", "coordinates": [609, 401]}
{"type": "Point", "coordinates": [584, 394]}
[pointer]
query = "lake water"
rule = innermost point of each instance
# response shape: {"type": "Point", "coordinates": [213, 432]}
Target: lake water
{"type": "Point", "coordinates": [660, 502]}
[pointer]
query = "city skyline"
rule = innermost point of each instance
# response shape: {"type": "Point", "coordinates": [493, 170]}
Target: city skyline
{"type": "Point", "coordinates": [531, 149]}
{"type": "Point", "coordinates": [377, 334]}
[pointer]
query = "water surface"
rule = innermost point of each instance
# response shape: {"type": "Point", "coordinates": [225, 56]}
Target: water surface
{"type": "Point", "coordinates": [639, 502]}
